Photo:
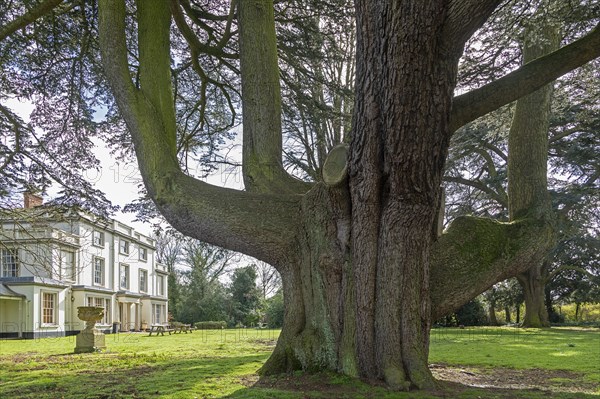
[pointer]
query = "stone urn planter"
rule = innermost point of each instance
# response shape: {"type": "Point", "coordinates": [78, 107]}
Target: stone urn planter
{"type": "Point", "coordinates": [90, 339]}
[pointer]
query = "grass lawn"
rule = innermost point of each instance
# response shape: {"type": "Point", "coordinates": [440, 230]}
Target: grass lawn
{"type": "Point", "coordinates": [495, 363]}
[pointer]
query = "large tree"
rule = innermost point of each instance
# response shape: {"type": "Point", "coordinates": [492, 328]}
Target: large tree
{"type": "Point", "coordinates": [363, 269]}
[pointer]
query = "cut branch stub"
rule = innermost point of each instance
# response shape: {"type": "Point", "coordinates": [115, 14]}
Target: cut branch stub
{"type": "Point", "coordinates": [335, 168]}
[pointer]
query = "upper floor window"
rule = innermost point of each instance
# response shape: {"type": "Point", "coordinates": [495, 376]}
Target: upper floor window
{"type": "Point", "coordinates": [49, 308]}
{"type": "Point", "coordinates": [67, 264]}
{"type": "Point", "coordinates": [143, 280]}
{"type": "Point", "coordinates": [98, 238]}
{"type": "Point", "coordinates": [98, 271]}
{"type": "Point", "coordinates": [124, 276]}
{"type": "Point", "coordinates": [143, 254]}
{"type": "Point", "coordinates": [124, 247]}
{"type": "Point", "coordinates": [160, 285]}
{"type": "Point", "coordinates": [10, 262]}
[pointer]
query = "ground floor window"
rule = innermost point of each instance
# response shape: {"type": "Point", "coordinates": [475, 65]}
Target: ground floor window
{"type": "Point", "coordinates": [158, 313]}
{"type": "Point", "coordinates": [101, 303]}
{"type": "Point", "coordinates": [49, 302]}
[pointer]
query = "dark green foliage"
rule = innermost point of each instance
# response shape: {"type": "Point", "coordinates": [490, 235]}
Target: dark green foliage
{"type": "Point", "coordinates": [274, 311]}
{"type": "Point", "coordinates": [203, 305]}
{"type": "Point", "coordinates": [210, 325]}
{"type": "Point", "coordinates": [245, 297]}
{"type": "Point", "coordinates": [471, 314]}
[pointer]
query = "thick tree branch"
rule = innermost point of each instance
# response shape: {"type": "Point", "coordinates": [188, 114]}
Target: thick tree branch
{"type": "Point", "coordinates": [464, 18]}
{"type": "Point", "coordinates": [527, 79]}
{"type": "Point", "coordinates": [30, 16]}
{"type": "Point", "coordinates": [261, 102]}
{"type": "Point", "coordinates": [475, 253]}
{"type": "Point", "coordinates": [258, 225]}
{"type": "Point", "coordinates": [155, 63]}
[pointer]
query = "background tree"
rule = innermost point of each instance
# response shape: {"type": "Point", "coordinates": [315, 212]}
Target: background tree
{"type": "Point", "coordinates": [63, 85]}
{"type": "Point", "coordinates": [169, 252]}
{"type": "Point", "coordinates": [269, 280]}
{"type": "Point", "coordinates": [245, 297]}
{"type": "Point", "coordinates": [203, 296]}
{"type": "Point", "coordinates": [274, 310]}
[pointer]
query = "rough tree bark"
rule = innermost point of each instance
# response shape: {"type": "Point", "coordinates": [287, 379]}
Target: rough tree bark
{"type": "Point", "coordinates": [362, 268]}
{"type": "Point", "coordinates": [527, 167]}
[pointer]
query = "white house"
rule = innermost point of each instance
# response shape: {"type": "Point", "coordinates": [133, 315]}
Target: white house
{"type": "Point", "coordinates": [53, 260]}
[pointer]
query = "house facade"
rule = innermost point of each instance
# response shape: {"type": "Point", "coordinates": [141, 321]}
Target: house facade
{"type": "Point", "coordinates": [54, 260]}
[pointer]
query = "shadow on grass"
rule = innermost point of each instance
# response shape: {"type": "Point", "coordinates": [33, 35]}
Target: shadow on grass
{"type": "Point", "coordinates": [335, 386]}
{"type": "Point", "coordinates": [145, 378]}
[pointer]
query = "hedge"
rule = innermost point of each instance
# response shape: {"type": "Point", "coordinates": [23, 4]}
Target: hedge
{"type": "Point", "coordinates": [210, 325]}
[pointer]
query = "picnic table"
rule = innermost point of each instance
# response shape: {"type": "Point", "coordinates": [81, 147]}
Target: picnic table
{"type": "Point", "coordinates": [173, 328]}
{"type": "Point", "coordinates": [160, 329]}
{"type": "Point", "coordinates": [180, 327]}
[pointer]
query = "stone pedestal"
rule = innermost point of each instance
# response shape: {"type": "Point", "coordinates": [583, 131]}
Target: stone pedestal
{"type": "Point", "coordinates": [90, 339]}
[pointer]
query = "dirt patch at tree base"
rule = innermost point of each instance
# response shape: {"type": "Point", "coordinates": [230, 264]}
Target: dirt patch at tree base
{"type": "Point", "coordinates": [496, 382]}
{"type": "Point", "coordinates": [507, 378]}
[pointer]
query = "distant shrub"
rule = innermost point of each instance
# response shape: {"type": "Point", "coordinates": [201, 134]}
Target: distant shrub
{"type": "Point", "coordinates": [471, 314]}
{"type": "Point", "coordinates": [210, 325]}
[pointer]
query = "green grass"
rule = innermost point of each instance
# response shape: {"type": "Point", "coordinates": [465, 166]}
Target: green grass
{"type": "Point", "coordinates": [576, 350]}
{"type": "Point", "coordinates": [223, 364]}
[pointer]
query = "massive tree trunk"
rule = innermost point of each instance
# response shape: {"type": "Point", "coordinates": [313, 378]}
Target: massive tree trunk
{"type": "Point", "coordinates": [363, 270]}
{"type": "Point", "coordinates": [527, 168]}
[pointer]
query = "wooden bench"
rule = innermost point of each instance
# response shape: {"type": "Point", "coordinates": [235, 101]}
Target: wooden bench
{"type": "Point", "coordinates": [160, 329]}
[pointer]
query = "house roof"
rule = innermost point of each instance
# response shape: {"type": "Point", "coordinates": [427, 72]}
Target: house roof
{"type": "Point", "coordinates": [7, 292]}
{"type": "Point", "coordinates": [33, 280]}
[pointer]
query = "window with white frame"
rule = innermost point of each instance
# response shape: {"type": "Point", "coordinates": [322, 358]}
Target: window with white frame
{"type": "Point", "coordinates": [101, 303]}
{"type": "Point", "coordinates": [98, 238]}
{"type": "Point", "coordinates": [67, 264]}
{"type": "Point", "coordinates": [124, 276]}
{"type": "Point", "coordinates": [124, 247]}
{"type": "Point", "coordinates": [143, 280]}
{"type": "Point", "coordinates": [49, 302]}
{"type": "Point", "coordinates": [143, 252]}
{"type": "Point", "coordinates": [98, 271]}
{"type": "Point", "coordinates": [10, 262]}
{"type": "Point", "coordinates": [160, 285]}
{"type": "Point", "coordinates": [158, 313]}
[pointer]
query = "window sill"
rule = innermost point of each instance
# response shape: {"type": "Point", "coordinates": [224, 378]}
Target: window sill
{"type": "Point", "coordinates": [50, 326]}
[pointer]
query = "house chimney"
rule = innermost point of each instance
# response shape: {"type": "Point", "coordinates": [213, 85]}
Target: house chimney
{"type": "Point", "coordinates": [31, 200]}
